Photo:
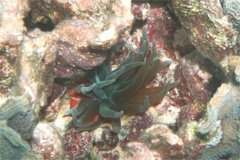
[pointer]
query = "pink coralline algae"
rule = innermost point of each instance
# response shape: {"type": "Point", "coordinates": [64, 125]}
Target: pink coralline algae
{"type": "Point", "coordinates": [196, 81]}
{"type": "Point", "coordinates": [78, 145]}
{"type": "Point", "coordinates": [46, 48]}
{"type": "Point", "coordinates": [160, 26]}
{"type": "Point", "coordinates": [47, 143]}
{"type": "Point", "coordinates": [141, 11]}
{"type": "Point", "coordinates": [106, 141]}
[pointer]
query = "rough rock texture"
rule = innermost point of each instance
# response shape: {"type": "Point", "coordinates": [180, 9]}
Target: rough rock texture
{"type": "Point", "coordinates": [78, 145]}
{"type": "Point", "coordinates": [44, 54]}
{"type": "Point", "coordinates": [108, 18]}
{"type": "Point", "coordinates": [6, 74]}
{"type": "Point", "coordinates": [35, 67]}
{"type": "Point", "coordinates": [160, 138]}
{"type": "Point", "coordinates": [11, 25]}
{"type": "Point", "coordinates": [135, 150]}
{"type": "Point", "coordinates": [105, 140]}
{"type": "Point", "coordinates": [74, 51]}
{"type": "Point", "coordinates": [230, 66]}
{"type": "Point", "coordinates": [12, 145]}
{"type": "Point", "coordinates": [52, 109]}
{"type": "Point", "coordinates": [197, 81]}
{"type": "Point", "coordinates": [181, 43]}
{"type": "Point", "coordinates": [58, 10]}
{"type": "Point", "coordinates": [160, 27]}
{"type": "Point", "coordinates": [207, 28]}
{"type": "Point", "coordinates": [232, 9]}
{"type": "Point", "coordinates": [10, 106]}
{"type": "Point", "coordinates": [46, 142]}
{"type": "Point", "coordinates": [141, 11]}
{"type": "Point", "coordinates": [224, 107]}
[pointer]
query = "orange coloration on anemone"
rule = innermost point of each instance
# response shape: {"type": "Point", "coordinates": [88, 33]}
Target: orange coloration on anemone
{"type": "Point", "coordinates": [74, 101]}
{"type": "Point", "coordinates": [74, 98]}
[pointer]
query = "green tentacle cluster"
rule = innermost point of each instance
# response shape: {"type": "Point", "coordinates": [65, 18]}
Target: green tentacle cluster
{"type": "Point", "coordinates": [113, 93]}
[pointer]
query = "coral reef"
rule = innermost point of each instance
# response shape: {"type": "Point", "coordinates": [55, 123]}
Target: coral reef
{"type": "Point", "coordinates": [48, 48]}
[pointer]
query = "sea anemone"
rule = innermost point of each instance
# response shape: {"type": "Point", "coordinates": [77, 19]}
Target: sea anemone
{"type": "Point", "coordinates": [123, 90]}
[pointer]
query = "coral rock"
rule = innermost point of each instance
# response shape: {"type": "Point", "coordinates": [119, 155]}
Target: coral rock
{"type": "Point", "coordinates": [12, 146]}
{"type": "Point", "coordinates": [135, 150]}
{"type": "Point", "coordinates": [231, 67]}
{"type": "Point", "coordinates": [197, 82]}
{"type": "Point", "coordinates": [105, 140]}
{"type": "Point", "coordinates": [209, 31]}
{"type": "Point", "coordinates": [51, 111]}
{"type": "Point", "coordinates": [108, 18]}
{"type": "Point", "coordinates": [6, 73]}
{"type": "Point", "coordinates": [162, 139]}
{"type": "Point", "coordinates": [160, 26]}
{"type": "Point", "coordinates": [141, 11]}
{"type": "Point", "coordinates": [11, 23]}
{"type": "Point", "coordinates": [120, 21]}
{"type": "Point", "coordinates": [224, 107]}
{"type": "Point", "coordinates": [78, 145]}
{"type": "Point", "coordinates": [46, 142]}
{"type": "Point", "coordinates": [35, 67]}
{"type": "Point", "coordinates": [75, 54]}
{"type": "Point", "coordinates": [231, 9]}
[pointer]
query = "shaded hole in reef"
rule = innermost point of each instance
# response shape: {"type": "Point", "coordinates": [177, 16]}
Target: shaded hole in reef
{"type": "Point", "coordinates": [45, 25]}
{"type": "Point", "coordinates": [216, 80]}
{"type": "Point", "coordinates": [137, 24]}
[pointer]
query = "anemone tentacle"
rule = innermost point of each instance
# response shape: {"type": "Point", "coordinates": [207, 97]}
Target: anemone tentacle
{"type": "Point", "coordinates": [106, 112]}
{"type": "Point", "coordinates": [112, 93]}
{"type": "Point", "coordinates": [87, 115]}
{"type": "Point", "coordinates": [90, 126]}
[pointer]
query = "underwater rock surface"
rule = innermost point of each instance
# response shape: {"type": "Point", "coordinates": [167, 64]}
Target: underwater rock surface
{"type": "Point", "coordinates": [223, 107]}
{"type": "Point", "coordinates": [47, 47]}
{"type": "Point", "coordinates": [12, 144]}
{"type": "Point", "coordinates": [208, 29]}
